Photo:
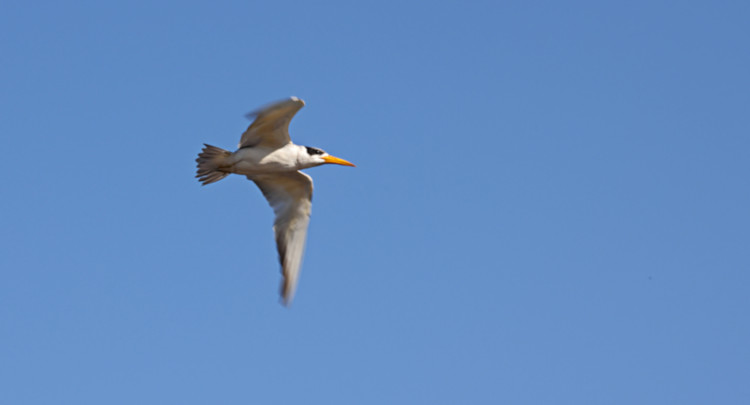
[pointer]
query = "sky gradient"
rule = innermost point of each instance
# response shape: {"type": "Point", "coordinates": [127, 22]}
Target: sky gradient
{"type": "Point", "coordinates": [550, 204]}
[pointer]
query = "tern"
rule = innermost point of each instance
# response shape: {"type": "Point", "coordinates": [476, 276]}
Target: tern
{"type": "Point", "coordinates": [267, 156]}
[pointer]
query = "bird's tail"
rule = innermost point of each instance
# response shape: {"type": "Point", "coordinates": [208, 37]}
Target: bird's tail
{"type": "Point", "coordinates": [212, 164]}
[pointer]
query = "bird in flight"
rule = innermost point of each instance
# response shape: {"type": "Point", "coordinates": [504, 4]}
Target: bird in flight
{"type": "Point", "coordinates": [268, 157]}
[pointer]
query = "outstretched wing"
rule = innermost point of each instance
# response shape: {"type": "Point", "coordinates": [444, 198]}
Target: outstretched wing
{"type": "Point", "coordinates": [290, 196]}
{"type": "Point", "coordinates": [271, 125]}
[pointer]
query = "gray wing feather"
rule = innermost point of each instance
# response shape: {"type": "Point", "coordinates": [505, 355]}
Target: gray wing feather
{"type": "Point", "coordinates": [271, 125]}
{"type": "Point", "coordinates": [290, 196]}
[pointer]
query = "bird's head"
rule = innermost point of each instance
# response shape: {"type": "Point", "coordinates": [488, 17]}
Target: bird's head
{"type": "Point", "coordinates": [315, 157]}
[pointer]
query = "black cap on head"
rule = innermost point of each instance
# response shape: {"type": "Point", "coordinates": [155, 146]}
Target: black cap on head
{"type": "Point", "coordinates": [313, 151]}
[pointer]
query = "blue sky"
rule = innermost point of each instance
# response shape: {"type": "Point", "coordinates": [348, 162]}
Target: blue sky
{"type": "Point", "coordinates": [550, 204]}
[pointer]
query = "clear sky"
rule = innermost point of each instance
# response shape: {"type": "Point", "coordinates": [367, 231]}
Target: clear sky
{"type": "Point", "coordinates": [551, 204]}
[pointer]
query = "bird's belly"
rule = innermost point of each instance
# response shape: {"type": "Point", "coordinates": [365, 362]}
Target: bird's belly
{"type": "Point", "coordinates": [261, 168]}
{"type": "Point", "coordinates": [246, 162]}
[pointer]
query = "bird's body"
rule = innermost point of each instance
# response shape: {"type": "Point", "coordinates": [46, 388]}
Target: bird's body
{"type": "Point", "coordinates": [267, 156]}
{"type": "Point", "coordinates": [261, 160]}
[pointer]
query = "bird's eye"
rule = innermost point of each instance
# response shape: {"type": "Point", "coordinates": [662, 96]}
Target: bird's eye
{"type": "Point", "coordinates": [313, 151]}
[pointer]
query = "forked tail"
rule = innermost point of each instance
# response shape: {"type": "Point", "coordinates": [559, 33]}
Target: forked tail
{"type": "Point", "coordinates": [212, 164]}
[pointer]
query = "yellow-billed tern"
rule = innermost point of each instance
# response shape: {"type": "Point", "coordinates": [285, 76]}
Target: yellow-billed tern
{"type": "Point", "coordinates": [268, 157]}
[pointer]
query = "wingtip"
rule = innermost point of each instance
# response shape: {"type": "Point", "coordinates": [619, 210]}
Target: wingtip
{"type": "Point", "coordinates": [285, 300]}
{"type": "Point", "coordinates": [285, 293]}
{"type": "Point", "coordinates": [256, 112]}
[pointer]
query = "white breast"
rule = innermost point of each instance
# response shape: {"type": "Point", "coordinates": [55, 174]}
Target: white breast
{"type": "Point", "coordinates": [259, 160]}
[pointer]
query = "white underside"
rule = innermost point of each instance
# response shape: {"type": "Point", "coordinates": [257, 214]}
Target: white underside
{"type": "Point", "coordinates": [259, 160]}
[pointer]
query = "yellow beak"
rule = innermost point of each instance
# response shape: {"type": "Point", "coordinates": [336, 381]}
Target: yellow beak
{"type": "Point", "coordinates": [335, 160]}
